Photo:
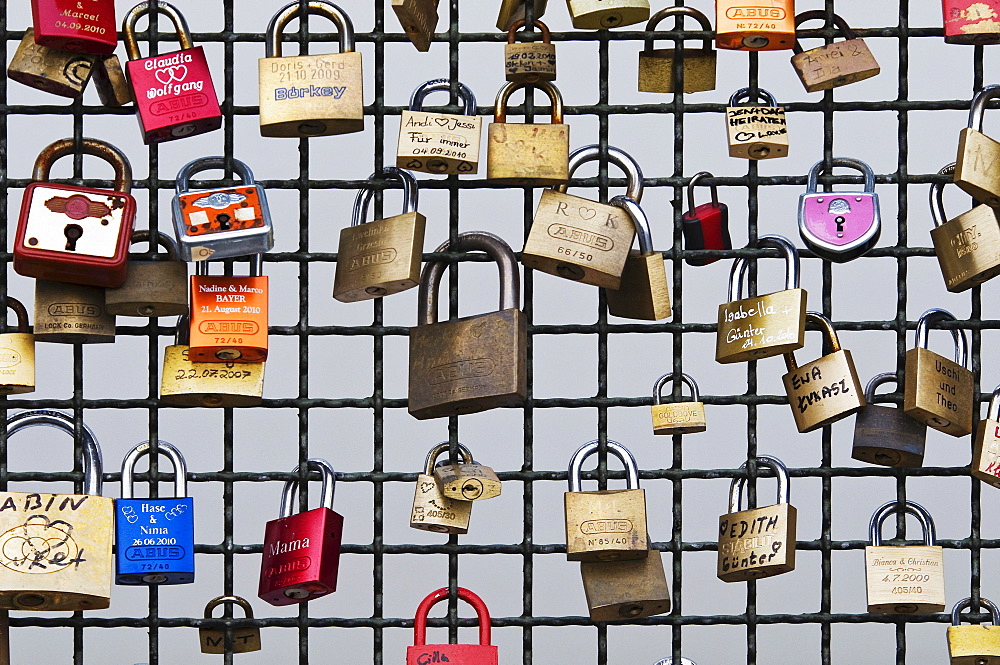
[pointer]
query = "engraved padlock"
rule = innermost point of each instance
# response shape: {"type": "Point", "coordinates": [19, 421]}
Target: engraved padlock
{"type": "Point", "coordinates": [986, 446]}
{"type": "Point", "coordinates": [526, 154]}
{"type": "Point", "coordinates": [643, 292]}
{"type": "Point", "coordinates": [229, 315]}
{"type": "Point", "coordinates": [971, 21]}
{"type": "Point", "coordinates": [977, 644]}
{"type": "Point", "coordinates": [938, 391]}
{"type": "Point", "coordinates": [432, 510]}
{"type": "Point", "coordinates": [603, 14]}
{"type": "Point", "coordinates": [441, 143]}
{"type": "Point", "coordinates": [626, 590]}
{"type": "Point", "coordinates": [756, 131]}
{"type": "Point", "coordinates": [977, 167]}
{"type": "Point", "coordinates": [151, 288]}
{"type": "Point", "coordinates": [422, 653]}
{"type": "Point", "coordinates": [705, 226]}
{"type": "Point", "coordinates": [70, 25]}
{"type": "Point", "coordinates": [467, 481]}
{"type": "Point", "coordinates": [836, 64]}
{"type": "Point", "coordinates": [529, 62]}
{"type": "Point", "coordinates": [62, 73]}
{"type": "Point", "coordinates": [884, 434]}
{"type": "Point", "coordinates": [17, 353]}
{"type": "Point", "coordinates": [243, 639]}
{"type": "Point", "coordinates": [840, 226]}
{"type": "Point", "coordinates": [680, 417]}
{"type": "Point", "coordinates": [755, 25]}
{"type": "Point", "coordinates": [111, 83]}
{"type": "Point", "coordinates": [419, 19]}
{"type": "Point", "coordinates": [656, 66]}
{"type": "Point", "coordinates": [71, 314]}
{"type": "Point", "coordinates": [516, 10]}
{"type": "Point", "coordinates": [968, 246]}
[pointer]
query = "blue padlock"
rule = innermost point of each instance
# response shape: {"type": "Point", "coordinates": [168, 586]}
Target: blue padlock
{"type": "Point", "coordinates": [155, 537]}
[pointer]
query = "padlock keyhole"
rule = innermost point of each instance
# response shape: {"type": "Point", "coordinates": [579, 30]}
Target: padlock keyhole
{"type": "Point", "coordinates": [840, 227]}
{"type": "Point", "coordinates": [72, 233]}
{"type": "Point", "coordinates": [223, 219]}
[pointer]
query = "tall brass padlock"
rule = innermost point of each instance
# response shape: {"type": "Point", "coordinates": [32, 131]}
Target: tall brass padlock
{"type": "Point", "coordinates": [580, 239]}
{"type": "Point", "coordinates": [656, 66]}
{"type": "Point", "coordinates": [755, 25]}
{"type": "Point", "coordinates": [605, 525]}
{"type": "Point", "coordinates": [243, 639]}
{"type": "Point", "coordinates": [755, 131]}
{"type": "Point", "coordinates": [61, 73]}
{"type": "Point", "coordinates": [643, 292]}
{"type": "Point", "coordinates": [442, 143]}
{"type": "Point", "coordinates": [467, 481]}
{"type": "Point", "coordinates": [530, 153]}
{"type": "Point", "coordinates": [767, 325]}
{"type": "Point", "coordinates": [71, 314]}
{"type": "Point", "coordinates": [55, 549]}
{"type": "Point", "coordinates": [904, 579]}
{"type": "Point", "coordinates": [151, 288]}
{"type": "Point", "coordinates": [759, 542]}
{"type": "Point", "coordinates": [832, 65]}
{"type": "Point", "coordinates": [17, 354]}
{"type": "Point", "coordinates": [516, 10]}
{"type": "Point", "coordinates": [419, 19]}
{"type": "Point", "coordinates": [111, 83]}
{"type": "Point", "coordinates": [623, 590]}
{"type": "Point", "coordinates": [603, 14]}
{"type": "Point", "coordinates": [529, 62]}
{"type": "Point", "coordinates": [473, 363]}
{"type": "Point", "coordinates": [974, 645]}
{"type": "Point", "coordinates": [682, 417]}
{"type": "Point", "coordinates": [938, 392]}
{"type": "Point", "coordinates": [884, 434]}
{"type": "Point", "coordinates": [986, 446]}
{"type": "Point", "coordinates": [432, 510]}
{"type": "Point", "coordinates": [968, 246]}
{"type": "Point", "coordinates": [382, 257]}
{"type": "Point", "coordinates": [977, 167]}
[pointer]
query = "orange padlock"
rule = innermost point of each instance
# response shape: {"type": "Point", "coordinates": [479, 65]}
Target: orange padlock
{"type": "Point", "coordinates": [229, 316]}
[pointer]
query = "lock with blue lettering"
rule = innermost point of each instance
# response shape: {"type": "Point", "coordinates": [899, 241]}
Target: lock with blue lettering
{"type": "Point", "coordinates": [155, 537]}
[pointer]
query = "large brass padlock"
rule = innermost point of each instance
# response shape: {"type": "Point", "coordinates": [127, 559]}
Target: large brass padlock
{"type": "Point", "coordinates": [17, 354]}
{"type": "Point", "coordinates": [71, 314]}
{"type": "Point", "coordinates": [382, 257]}
{"type": "Point", "coordinates": [624, 590]}
{"type": "Point", "coordinates": [656, 66]}
{"type": "Point", "coordinates": [605, 525]}
{"type": "Point", "coordinates": [755, 131]}
{"type": "Point", "coordinates": [968, 246]}
{"type": "Point", "coordinates": [529, 62]}
{"type": "Point", "coordinates": [977, 167]}
{"type": "Point", "coordinates": [530, 153]}
{"type": "Point", "coordinates": [643, 292]}
{"type": "Point", "coordinates": [442, 143]}
{"type": "Point", "coordinates": [473, 363]}
{"type": "Point", "coordinates": [55, 549]}
{"type": "Point", "coordinates": [904, 579]}
{"type": "Point", "coordinates": [59, 72]}
{"type": "Point", "coordinates": [580, 239]}
{"type": "Point", "coordinates": [938, 392]}
{"type": "Point", "coordinates": [111, 83]}
{"type": "Point", "coordinates": [151, 288]}
{"type": "Point", "coordinates": [603, 14]}
{"type": "Point", "coordinates": [512, 11]}
{"type": "Point", "coordinates": [432, 510]}
{"type": "Point", "coordinates": [767, 325]}
{"type": "Point", "coordinates": [243, 639]}
{"type": "Point", "coordinates": [986, 446]}
{"type": "Point", "coordinates": [682, 417]}
{"type": "Point", "coordinates": [328, 99]}
{"type": "Point", "coordinates": [419, 19]}
{"type": "Point", "coordinates": [467, 481]}
{"type": "Point", "coordinates": [974, 645]}
{"type": "Point", "coordinates": [832, 65]}
{"type": "Point", "coordinates": [884, 434]}
{"type": "Point", "coordinates": [759, 542]}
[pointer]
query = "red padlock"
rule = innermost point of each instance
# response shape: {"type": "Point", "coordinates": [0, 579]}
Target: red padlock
{"type": "Point", "coordinates": [302, 551]}
{"type": "Point", "coordinates": [705, 226]}
{"type": "Point", "coordinates": [456, 654]}
{"type": "Point", "coordinates": [174, 95]}
{"type": "Point", "coordinates": [76, 234]}
{"type": "Point", "coordinates": [80, 26]}
{"type": "Point", "coordinates": [971, 21]}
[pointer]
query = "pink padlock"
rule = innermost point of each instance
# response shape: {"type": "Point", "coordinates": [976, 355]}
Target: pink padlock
{"type": "Point", "coordinates": [840, 226]}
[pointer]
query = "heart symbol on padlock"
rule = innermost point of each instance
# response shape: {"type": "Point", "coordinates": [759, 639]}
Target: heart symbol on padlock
{"type": "Point", "coordinates": [172, 73]}
{"type": "Point", "coordinates": [588, 213]}
{"type": "Point", "coordinates": [464, 167]}
{"type": "Point", "coordinates": [442, 122]}
{"type": "Point", "coordinates": [426, 487]}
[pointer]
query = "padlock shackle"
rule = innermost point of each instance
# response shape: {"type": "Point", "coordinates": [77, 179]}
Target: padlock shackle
{"type": "Point", "coordinates": [876, 381]}
{"type": "Point", "coordinates": [88, 146]}
{"type": "Point", "coordinates": [639, 220]}
{"type": "Point", "coordinates": [659, 16]}
{"type": "Point", "coordinates": [164, 448]}
{"type": "Point", "coordinates": [503, 97]}
{"type": "Point", "coordinates": [420, 619]}
{"type": "Point", "coordinates": [20, 312]}
{"type": "Point", "coordinates": [993, 413]}
{"type": "Point", "coordinates": [229, 600]}
{"type": "Point", "coordinates": [591, 447]}
{"type": "Point", "coordinates": [275, 29]}
{"type": "Point", "coordinates": [966, 603]}
{"type": "Point", "coordinates": [936, 196]}
{"type": "Point", "coordinates": [820, 167]}
{"type": "Point", "coordinates": [911, 507]}
{"type": "Point", "coordinates": [290, 492]}
{"type": "Point", "coordinates": [182, 336]}
{"type": "Point", "coordinates": [411, 192]}
{"type": "Point", "coordinates": [675, 376]}
{"type": "Point", "coordinates": [669, 661]}
{"type": "Point", "coordinates": [701, 175]}
{"type": "Point", "coordinates": [441, 449]}
{"type": "Point", "coordinates": [183, 180]}
{"type": "Point", "coordinates": [256, 266]}
{"type": "Point", "coordinates": [747, 95]}
{"type": "Point", "coordinates": [520, 23]}
{"type": "Point", "coordinates": [825, 326]}
{"type": "Point", "coordinates": [161, 239]}
{"type": "Point", "coordinates": [500, 251]}
{"type": "Point", "coordinates": [957, 334]}
{"type": "Point", "coordinates": [435, 85]}
{"type": "Point", "coordinates": [978, 108]}
{"type": "Point", "coordinates": [93, 462]}
{"type": "Point", "coordinates": [792, 265]}
{"type": "Point", "coordinates": [143, 8]}
{"type": "Point", "coordinates": [780, 471]}
{"type": "Point", "coordinates": [617, 156]}
{"type": "Point", "coordinates": [820, 14]}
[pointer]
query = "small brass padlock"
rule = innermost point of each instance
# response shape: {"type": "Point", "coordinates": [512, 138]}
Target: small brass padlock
{"type": "Point", "coordinates": [681, 417]}
{"type": "Point", "coordinates": [905, 579]}
{"type": "Point", "coordinates": [977, 167]}
{"type": "Point", "coordinates": [986, 446]}
{"type": "Point", "coordinates": [755, 25]}
{"type": "Point", "coordinates": [938, 392]}
{"type": "Point", "coordinates": [442, 143]}
{"type": "Point", "coordinates": [516, 10]}
{"type": "Point", "coordinates": [759, 542]}
{"type": "Point", "coordinates": [419, 19]}
{"type": "Point", "coordinates": [603, 14]}
{"type": "Point", "coordinates": [467, 481]}
{"type": "Point", "coordinates": [59, 72]}
{"type": "Point", "coordinates": [71, 314]}
{"type": "Point", "coordinates": [766, 325]}
{"type": "Point", "coordinates": [755, 131]}
{"type": "Point", "coordinates": [17, 354]}
{"type": "Point", "coordinates": [968, 246]}
{"type": "Point", "coordinates": [624, 590]}
{"type": "Point", "coordinates": [643, 292]}
{"type": "Point", "coordinates": [529, 62]}
{"type": "Point", "coordinates": [884, 434]}
{"type": "Point", "coordinates": [832, 65]}
{"type": "Point", "coordinates": [244, 639]}
{"type": "Point", "coordinates": [432, 510]}
{"type": "Point", "coordinates": [605, 525]}
{"type": "Point", "coordinates": [656, 66]}
{"type": "Point", "coordinates": [530, 153]}
{"type": "Point", "coordinates": [151, 288]}
{"type": "Point", "coordinates": [974, 645]}
{"type": "Point", "coordinates": [109, 79]}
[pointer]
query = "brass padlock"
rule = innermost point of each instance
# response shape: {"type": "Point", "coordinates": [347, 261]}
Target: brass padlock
{"type": "Point", "coordinates": [605, 525]}
{"type": "Point", "coordinates": [532, 153]}
{"type": "Point", "coordinates": [112, 85]}
{"type": "Point", "coordinates": [59, 72]}
{"type": "Point", "coordinates": [442, 143]}
{"type": "Point", "coordinates": [579, 239]}
{"type": "Point", "coordinates": [968, 246]}
{"type": "Point", "coordinates": [419, 19]}
{"type": "Point", "coordinates": [682, 417]}
{"type": "Point", "coordinates": [832, 65]}
{"type": "Point", "coordinates": [432, 510]}
{"type": "Point", "coordinates": [767, 325]}
{"type": "Point", "coordinates": [643, 292]}
{"type": "Point", "coordinates": [656, 66]}
{"type": "Point", "coordinates": [603, 14]}
{"type": "Point", "coordinates": [759, 542]}
{"type": "Point", "coordinates": [243, 639]}
{"type": "Point", "coordinates": [55, 549]}
{"type": "Point", "coordinates": [624, 590]}
{"type": "Point", "coordinates": [974, 645]}
{"type": "Point", "coordinates": [905, 579]}
{"type": "Point", "coordinates": [330, 100]}
{"type": "Point", "coordinates": [755, 131]}
{"type": "Point", "coordinates": [225, 384]}
{"type": "Point", "coordinates": [17, 354]}
{"type": "Point", "coordinates": [977, 167]}
{"type": "Point", "coordinates": [516, 10]}
{"type": "Point", "coordinates": [938, 392]}
{"type": "Point", "coordinates": [382, 257]}
{"type": "Point", "coordinates": [467, 481]}
{"type": "Point", "coordinates": [825, 390]}
{"type": "Point", "coordinates": [884, 434]}
{"type": "Point", "coordinates": [986, 446]}
{"type": "Point", "coordinates": [71, 314]}
{"type": "Point", "coordinates": [151, 288]}
{"type": "Point", "coordinates": [529, 62]}
{"type": "Point", "coordinates": [473, 363]}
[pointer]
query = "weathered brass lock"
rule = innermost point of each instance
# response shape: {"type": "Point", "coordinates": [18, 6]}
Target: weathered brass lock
{"type": "Point", "coordinates": [473, 363]}
{"type": "Point", "coordinates": [968, 246]}
{"type": "Point", "coordinates": [419, 19]}
{"type": "Point", "coordinates": [151, 288]}
{"type": "Point", "coordinates": [682, 417]}
{"type": "Point", "coordinates": [59, 72]}
{"type": "Point", "coordinates": [977, 167]}
{"type": "Point", "coordinates": [605, 525]}
{"type": "Point", "coordinates": [17, 354]}
{"type": "Point", "coordinates": [467, 481]}
{"type": "Point", "coordinates": [656, 66]}
{"type": "Point", "coordinates": [442, 143]}
{"type": "Point", "coordinates": [643, 292]}
{"type": "Point", "coordinates": [529, 62]}
{"type": "Point", "coordinates": [432, 510]}
{"type": "Point", "coordinates": [112, 85]}
{"type": "Point", "coordinates": [624, 590]}
{"type": "Point", "coordinates": [71, 314]}
{"type": "Point", "coordinates": [243, 639]}
{"type": "Point", "coordinates": [986, 446]}
{"type": "Point", "coordinates": [512, 11]}
{"type": "Point", "coordinates": [832, 65]}
{"type": "Point", "coordinates": [755, 131]}
{"type": "Point", "coordinates": [884, 434]}
{"type": "Point", "coordinates": [382, 257]}
{"type": "Point", "coordinates": [974, 645]}
{"type": "Point", "coordinates": [938, 392]}
{"type": "Point", "coordinates": [759, 542]}
{"type": "Point", "coordinates": [603, 14]}
{"type": "Point", "coordinates": [907, 579]}
{"type": "Point", "coordinates": [530, 153]}
{"type": "Point", "coordinates": [767, 325]}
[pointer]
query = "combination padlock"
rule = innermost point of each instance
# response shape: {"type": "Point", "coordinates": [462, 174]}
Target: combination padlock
{"type": "Point", "coordinates": [512, 11]}
{"type": "Point", "coordinates": [986, 446]}
{"type": "Point", "coordinates": [968, 246]}
{"type": "Point", "coordinates": [832, 65]}
{"type": "Point", "coordinates": [432, 510]}
{"type": "Point", "coordinates": [938, 392]}
{"type": "Point", "coordinates": [755, 25]}
{"type": "Point", "coordinates": [442, 143]}
{"type": "Point", "coordinates": [529, 62]}
{"type": "Point", "coordinates": [755, 131]}
{"type": "Point", "coordinates": [17, 354]}
{"type": "Point", "coordinates": [151, 288]}
{"type": "Point", "coordinates": [62, 73]}
{"type": "Point", "coordinates": [977, 167]}
{"type": "Point", "coordinates": [71, 314]}
{"type": "Point", "coordinates": [242, 639]}
{"type": "Point", "coordinates": [840, 226]}
{"type": "Point", "coordinates": [922, 565]}
{"type": "Point", "coordinates": [229, 315]}
{"type": "Point", "coordinates": [419, 19]}
{"type": "Point", "coordinates": [705, 226]}
{"type": "Point", "coordinates": [422, 653]}
{"type": "Point", "coordinates": [680, 417]}
{"type": "Point", "coordinates": [971, 21]}
{"type": "Point", "coordinates": [80, 235]}
{"type": "Point", "coordinates": [302, 550]}
{"type": "Point", "coordinates": [68, 25]}
{"type": "Point", "coordinates": [643, 292]}
{"type": "Point", "coordinates": [603, 14]}
{"type": "Point", "coordinates": [656, 66]}
{"type": "Point", "coordinates": [155, 536]}
{"type": "Point", "coordinates": [884, 434]}
{"type": "Point", "coordinates": [528, 154]}
{"type": "Point", "coordinates": [974, 645]}
{"type": "Point", "coordinates": [467, 481]}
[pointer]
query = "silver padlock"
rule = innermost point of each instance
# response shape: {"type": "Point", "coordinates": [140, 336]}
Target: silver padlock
{"type": "Point", "coordinates": [840, 226]}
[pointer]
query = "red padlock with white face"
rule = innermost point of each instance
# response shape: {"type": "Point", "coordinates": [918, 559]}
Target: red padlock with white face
{"type": "Point", "coordinates": [80, 26]}
{"type": "Point", "coordinates": [422, 653]}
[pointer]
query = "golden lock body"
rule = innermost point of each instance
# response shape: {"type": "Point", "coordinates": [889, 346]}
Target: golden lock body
{"type": "Point", "coordinates": [441, 143]}
{"type": "Point", "coordinates": [419, 19]}
{"type": "Point", "coordinates": [432, 510]}
{"type": "Point", "coordinates": [71, 313]}
{"type": "Point", "coordinates": [244, 639]}
{"type": "Point", "coordinates": [908, 579]}
{"type": "Point", "coordinates": [151, 288]}
{"type": "Point", "coordinates": [59, 72]}
{"type": "Point", "coordinates": [834, 65]}
{"type": "Point", "coordinates": [512, 11]}
{"type": "Point", "coordinates": [109, 79]}
{"type": "Point", "coordinates": [17, 354]}
{"type": "Point", "coordinates": [467, 482]}
{"type": "Point", "coordinates": [974, 644]}
{"type": "Point", "coordinates": [603, 14]}
{"type": "Point", "coordinates": [977, 167]}
{"type": "Point", "coordinates": [528, 154]}
{"type": "Point", "coordinates": [231, 384]}
{"type": "Point", "coordinates": [968, 246]}
{"type": "Point", "coordinates": [656, 66]}
{"type": "Point", "coordinates": [682, 417]}
{"type": "Point", "coordinates": [938, 391]}
{"type": "Point", "coordinates": [755, 131]}
{"type": "Point", "coordinates": [529, 62]}
{"type": "Point", "coordinates": [622, 590]}
{"type": "Point", "coordinates": [643, 292]}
